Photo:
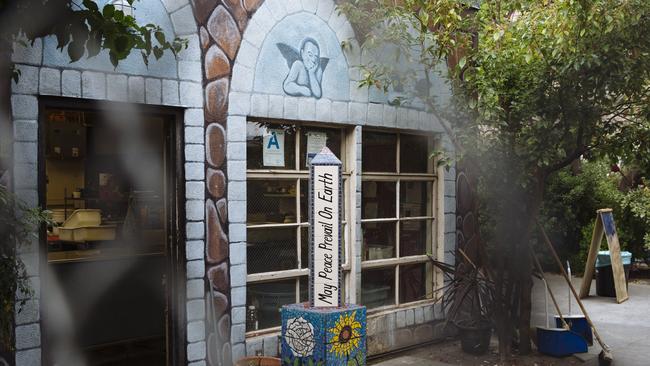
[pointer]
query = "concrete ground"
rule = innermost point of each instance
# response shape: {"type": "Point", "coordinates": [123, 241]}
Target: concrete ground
{"type": "Point", "coordinates": [624, 327]}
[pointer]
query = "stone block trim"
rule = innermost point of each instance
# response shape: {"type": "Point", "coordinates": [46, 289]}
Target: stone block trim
{"type": "Point", "coordinates": [184, 91]}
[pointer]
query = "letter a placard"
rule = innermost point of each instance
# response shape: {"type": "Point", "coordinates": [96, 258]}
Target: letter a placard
{"type": "Point", "coordinates": [325, 230]}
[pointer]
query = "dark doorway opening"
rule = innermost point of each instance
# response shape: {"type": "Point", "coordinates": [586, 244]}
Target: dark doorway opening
{"type": "Point", "coordinates": [110, 175]}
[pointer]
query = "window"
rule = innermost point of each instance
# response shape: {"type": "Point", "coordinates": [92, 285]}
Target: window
{"type": "Point", "coordinates": [396, 218]}
{"type": "Point", "coordinates": [277, 214]}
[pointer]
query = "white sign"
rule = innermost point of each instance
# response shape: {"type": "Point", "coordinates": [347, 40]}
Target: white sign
{"type": "Point", "coordinates": [273, 148]}
{"type": "Point", "coordinates": [326, 224]}
{"type": "Point", "coordinates": [316, 141]}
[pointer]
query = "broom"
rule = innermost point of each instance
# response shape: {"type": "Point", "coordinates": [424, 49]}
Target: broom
{"type": "Point", "coordinates": [605, 357]}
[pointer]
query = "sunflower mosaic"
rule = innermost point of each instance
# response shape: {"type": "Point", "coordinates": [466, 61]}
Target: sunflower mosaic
{"type": "Point", "coordinates": [345, 335]}
{"type": "Point", "coordinates": [323, 337]}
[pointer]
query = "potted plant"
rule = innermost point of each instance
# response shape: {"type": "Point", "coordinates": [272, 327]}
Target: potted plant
{"type": "Point", "coordinates": [467, 300]}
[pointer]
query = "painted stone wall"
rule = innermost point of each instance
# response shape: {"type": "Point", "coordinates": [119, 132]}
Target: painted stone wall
{"type": "Point", "coordinates": [282, 59]}
{"type": "Point", "coordinates": [167, 82]}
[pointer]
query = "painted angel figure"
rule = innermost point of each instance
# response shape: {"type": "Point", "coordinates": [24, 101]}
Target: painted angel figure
{"type": "Point", "coordinates": [305, 69]}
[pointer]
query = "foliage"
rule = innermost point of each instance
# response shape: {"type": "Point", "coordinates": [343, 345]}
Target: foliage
{"type": "Point", "coordinates": [538, 84]}
{"type": "Point", "coordinates": [468, 293]}
{"type": "Point", "coordinates": [569, 218]}
{"type": "Point", "coordinates": [86, 29]}
{"type": "Point", "coordinates": [637, 203]}
{"type": "Point", "coordinates": [18, 228]}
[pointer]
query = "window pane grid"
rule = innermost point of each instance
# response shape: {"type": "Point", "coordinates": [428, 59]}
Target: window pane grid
{"type": "Point", "coordinates": [278, 203]}
{"type": "Point", "coordinates": [412, 220]}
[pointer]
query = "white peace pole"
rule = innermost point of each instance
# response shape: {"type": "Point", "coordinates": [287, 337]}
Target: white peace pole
{"type": "Point", "coordinates": [325, 202]}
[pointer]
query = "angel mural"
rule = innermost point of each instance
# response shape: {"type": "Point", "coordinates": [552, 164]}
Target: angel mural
{"type": "Point", "coordinates": [305, 69]}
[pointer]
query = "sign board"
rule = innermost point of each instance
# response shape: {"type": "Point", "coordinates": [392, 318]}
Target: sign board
{"type": "Point", "coordinates": [273, 148]}
{"type": "Point", "coordinates": [316, 141]}
{"type": "Point", "coordinates": [325, 230]}
{"type": "Point", "coordinates": [605, 227]}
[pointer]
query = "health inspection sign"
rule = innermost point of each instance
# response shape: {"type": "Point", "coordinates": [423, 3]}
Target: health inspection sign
{"type": "Point", "coordinates": [325, 230]}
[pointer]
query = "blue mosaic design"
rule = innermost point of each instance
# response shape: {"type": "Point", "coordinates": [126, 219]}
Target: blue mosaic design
{"type": "Point", "coordinates": [309, 336]}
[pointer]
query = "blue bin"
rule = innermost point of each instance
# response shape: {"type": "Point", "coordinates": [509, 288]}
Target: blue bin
{"type": "Point", "coordinates": [577, 324]}
{"type": "Point", "coordinates": [559, 342]}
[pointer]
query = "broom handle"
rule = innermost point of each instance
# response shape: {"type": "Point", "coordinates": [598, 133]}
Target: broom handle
{"type": "Point", "coordinates": [557, 307]}
{"type": "Point", "coordinates": [568, 269]}
{"type": "Point", "coordinates": [573, 290]}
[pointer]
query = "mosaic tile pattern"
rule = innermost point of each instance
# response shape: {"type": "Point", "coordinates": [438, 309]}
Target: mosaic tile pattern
{"type": "Point", "coordinates": [323, 336]}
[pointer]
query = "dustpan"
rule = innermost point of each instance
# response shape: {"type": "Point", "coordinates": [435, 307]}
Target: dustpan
{"type": "Point", "coordinates": [577, 323]}
{"type": "Point", "coordinates": [558, 342]}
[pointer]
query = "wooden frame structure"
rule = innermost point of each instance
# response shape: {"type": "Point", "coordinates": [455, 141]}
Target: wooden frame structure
{"type": "Point", "coordinates": [605, 226]}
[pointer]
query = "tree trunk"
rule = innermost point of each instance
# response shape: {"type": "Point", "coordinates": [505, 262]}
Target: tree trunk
{"type": "Point", "coordinates": [525, 271]}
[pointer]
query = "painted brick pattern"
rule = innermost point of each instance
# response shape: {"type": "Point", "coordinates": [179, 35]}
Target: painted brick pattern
{"type": "Point", "coordinates": [231, 35]}
{"type": "Point", "coordinates": [59, 81]}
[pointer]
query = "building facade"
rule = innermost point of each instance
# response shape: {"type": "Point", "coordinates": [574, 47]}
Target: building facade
{"type": "Point", "coordinates": [197, 170]}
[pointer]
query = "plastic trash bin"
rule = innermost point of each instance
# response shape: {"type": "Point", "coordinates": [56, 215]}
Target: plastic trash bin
{"type": "Point", "coordinates": [604, 274]}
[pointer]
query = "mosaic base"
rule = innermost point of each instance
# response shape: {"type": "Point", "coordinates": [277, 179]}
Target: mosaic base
{"type": "Point", "coordinates": [323, 336]}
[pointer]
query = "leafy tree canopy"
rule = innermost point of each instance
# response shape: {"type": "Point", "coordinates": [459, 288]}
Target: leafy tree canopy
{"type": "Point", "coordinates": [537, 84]}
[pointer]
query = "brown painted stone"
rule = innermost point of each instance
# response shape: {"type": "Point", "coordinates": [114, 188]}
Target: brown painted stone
{"type": "Point", "coordinates": [252, 5]}
{"type": "Point", "coordinates": [220, 303]}
{"type": "Point", "coordinates": [216, 100]}
{"type": "Point", "coordinates": [218, 276]}
{"type": "Point", "coordinates": [215, 144]}
{"type": "Point", "coordinates": [216, 183]}
{"type": "Point", "coordinates": [224, 31]}
{"type": "Point", "coordinates": [222, 210]}
{"type": "Point", "coordinates": [204, 37]}
{"type": "Point", "coordinates": [203, 9]}
{"type": "Point", "coordinates": [217, 246]}
{"type": "Point", "coordinates": [238, 12]}
{"type": "Point", "coordinates": [216, 63]}
{"type": "Point", "coordinates": [224, 327]}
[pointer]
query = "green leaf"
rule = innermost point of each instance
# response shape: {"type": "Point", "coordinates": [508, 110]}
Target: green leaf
{"type": "Point", "coordinates": [108, 11]}
{"type": "Point", "coordinates": [158, 52]}
{"type": "Point", "coordinates": [160, 37]}
{"type": "Point", "coordinates": [121, 45]}
{"type": "Point", "coordinates": [462, 62]}
{"type": "Point", "coordinates": [114, 59]}
{"type": "Point", "coordinates": [75, 50]}
{"type": "Point", "coordinates": [91, 5]}
{"type": "Point", "coordinates": [94, 44]}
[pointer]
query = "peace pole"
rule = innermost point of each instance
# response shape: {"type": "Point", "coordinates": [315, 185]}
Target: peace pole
{"type": "Point", "coordinates": [325, 204]}
{"type": "Point", "coordinates": [324, 331]}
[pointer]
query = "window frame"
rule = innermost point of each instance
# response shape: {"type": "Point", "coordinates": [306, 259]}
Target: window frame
{"type": "Point", "coordinates": [432, 244]}
{"type": "Point", "coordinates": [300, 175]}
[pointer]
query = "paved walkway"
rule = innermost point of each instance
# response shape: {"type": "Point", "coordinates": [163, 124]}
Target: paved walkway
{"type": "Point", "coordinates": [624, 327]}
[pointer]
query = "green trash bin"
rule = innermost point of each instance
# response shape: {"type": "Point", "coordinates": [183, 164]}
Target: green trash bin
{"type": "Point", "coordinates": [605, 276]}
